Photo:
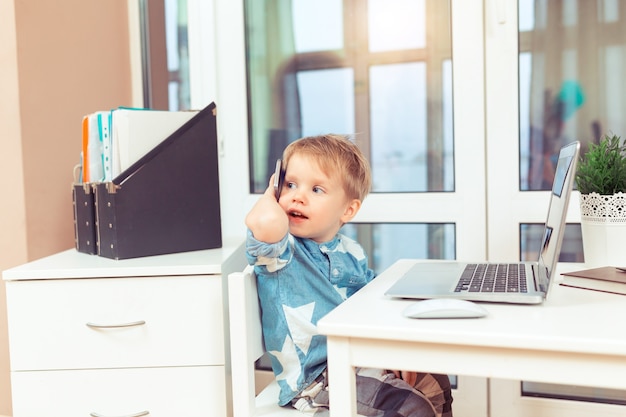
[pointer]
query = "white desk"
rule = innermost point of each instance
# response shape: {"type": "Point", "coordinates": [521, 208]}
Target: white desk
{"type": "Point", "coordinates": [575, 337]}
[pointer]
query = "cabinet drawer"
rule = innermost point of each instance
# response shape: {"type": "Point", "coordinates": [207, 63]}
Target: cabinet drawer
{"type": "Point", "coordinates": [162, 392]}
{"type": "Point", "coordinates": [178, 321]}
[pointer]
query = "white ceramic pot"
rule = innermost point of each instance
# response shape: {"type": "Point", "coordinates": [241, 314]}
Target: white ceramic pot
{"type": "Point", "coordinates": [603, 223]}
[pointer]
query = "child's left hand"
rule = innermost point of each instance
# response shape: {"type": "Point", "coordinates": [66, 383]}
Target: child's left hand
{"type": "Point", "coordinates": [409, 377]}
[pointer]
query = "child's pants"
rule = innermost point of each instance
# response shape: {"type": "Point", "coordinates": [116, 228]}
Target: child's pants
{"type": "Point", "coordinates": [385, 393]}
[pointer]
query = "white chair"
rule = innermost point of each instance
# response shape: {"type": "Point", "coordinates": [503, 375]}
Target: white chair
{"type": "Point", "coordinates": [246, 346]}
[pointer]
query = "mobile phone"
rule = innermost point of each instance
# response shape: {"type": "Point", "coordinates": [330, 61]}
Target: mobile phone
{"type": "Point", "coordinates": [279, 177]}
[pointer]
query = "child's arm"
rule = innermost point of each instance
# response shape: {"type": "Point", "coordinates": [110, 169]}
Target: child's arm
{"type": "Point", "coordinates": [267, 220]}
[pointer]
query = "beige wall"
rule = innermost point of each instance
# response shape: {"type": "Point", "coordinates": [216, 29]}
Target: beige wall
{"type": "Point", "coordinates": [58, 62]}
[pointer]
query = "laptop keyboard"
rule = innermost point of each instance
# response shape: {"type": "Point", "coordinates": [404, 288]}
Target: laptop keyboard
{"type": "Point", "coordinates": [493, 278]}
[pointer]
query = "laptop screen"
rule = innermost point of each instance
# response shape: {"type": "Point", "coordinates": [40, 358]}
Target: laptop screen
{"type": "Point", "coordinates": [555, 223]}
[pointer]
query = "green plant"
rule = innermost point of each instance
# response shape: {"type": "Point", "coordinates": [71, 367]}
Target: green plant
{"type": "Point", "coordinates": [602, 169]}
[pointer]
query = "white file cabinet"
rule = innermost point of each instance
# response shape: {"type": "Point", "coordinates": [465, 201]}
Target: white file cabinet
{"type": "Point", "coordinates": [90, 336]}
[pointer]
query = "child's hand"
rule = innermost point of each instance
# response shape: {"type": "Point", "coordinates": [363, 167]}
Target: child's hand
{"type": "Point", "coordinates": [270, 188]}
{"type": "Point", "coordinates": [409, 377]}
{"type": "Point", "coordinates": [267, 220]}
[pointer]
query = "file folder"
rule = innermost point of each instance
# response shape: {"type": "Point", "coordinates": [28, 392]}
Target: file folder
{"type": "Point", "coordinates": [134, 132]}
{"type": "Point", "coordinates": [84, 219]}
{"type": "Point", "coordinates": [166, 202]}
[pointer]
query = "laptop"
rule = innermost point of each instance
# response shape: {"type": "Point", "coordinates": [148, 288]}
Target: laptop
{"type": "Point", "coordinates": [519, 283]}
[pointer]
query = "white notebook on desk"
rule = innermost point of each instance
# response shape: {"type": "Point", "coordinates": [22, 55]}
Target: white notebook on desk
{"type": "Point", "coordinates": [521, 283]}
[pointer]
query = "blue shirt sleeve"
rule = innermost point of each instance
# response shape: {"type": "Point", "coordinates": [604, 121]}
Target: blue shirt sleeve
{"type": "Point", "coordinates": [272, 256]}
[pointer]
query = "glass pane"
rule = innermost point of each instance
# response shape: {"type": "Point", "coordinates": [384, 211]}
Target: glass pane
{"type": "Point", "coordinates": [319, 25]}
{"type": "Point", "coordinates": [526, 15]}
{"type": "Point", "coordinates": [570, 13]}
{"type": "Point", "coordinates": [396, 24]}
{"type": "Point", "coordinates": [530, 242]}
{"type": "Point", "coordinates": [338, 98]}
{"type": "Point", "coordinates": [609, 11]}
{"type": "Point", "coordinates": [177, 54]}
{"type": "Point", "coordinates": [572, 57]}
{"type": "Point", "coordinates": [387, 242]}
{"type": "Point", "coordinates": [398, 120]}
{"type": "Point", "coordinates": [310, 70]}
{"type": "Point", "coordinates": [401, 159]}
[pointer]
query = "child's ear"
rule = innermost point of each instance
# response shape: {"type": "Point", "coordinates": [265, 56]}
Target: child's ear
{"type": "Point", "coordinates": [351, 210]}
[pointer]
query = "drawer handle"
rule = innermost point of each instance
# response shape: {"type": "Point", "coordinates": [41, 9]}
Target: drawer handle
{"type": "Point", "coordinates": [111, 326]}
{"type": "Point", "coordinates": [139, 414]}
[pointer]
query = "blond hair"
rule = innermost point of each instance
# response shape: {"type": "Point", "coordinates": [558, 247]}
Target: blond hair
{"type": "Point", "coordinates": [336, 155]}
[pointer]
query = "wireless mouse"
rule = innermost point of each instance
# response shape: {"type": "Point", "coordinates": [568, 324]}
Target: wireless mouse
{"type": "Point", "coordinates": [444, 308]}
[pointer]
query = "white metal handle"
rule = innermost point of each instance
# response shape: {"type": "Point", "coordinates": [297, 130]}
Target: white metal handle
{"type": "Point", "coordinates": [111, 326]}
{"type": "Point", "coordinates": [139, 414]}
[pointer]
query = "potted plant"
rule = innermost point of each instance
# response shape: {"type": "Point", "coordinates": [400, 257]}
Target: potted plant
{"type": "Point", "coordinates": [601, 180]}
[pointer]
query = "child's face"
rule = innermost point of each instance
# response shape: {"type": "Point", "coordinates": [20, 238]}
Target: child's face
{"type": "Point", "coordinates": [316, 204]}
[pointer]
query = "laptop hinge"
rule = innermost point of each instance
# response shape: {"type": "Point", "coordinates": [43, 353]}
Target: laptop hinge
{"type": "Point", "coordinates": [535, 272]}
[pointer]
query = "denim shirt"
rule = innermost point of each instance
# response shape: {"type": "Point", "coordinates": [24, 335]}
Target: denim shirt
{"type": "Point", "coordinates": [299, 281]}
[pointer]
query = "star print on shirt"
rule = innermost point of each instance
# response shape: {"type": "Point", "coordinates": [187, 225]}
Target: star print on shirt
{"type": "Point", "coordinates": [300, 326]}
{"type": "Point", "coordinates": [288, 359]}
{"type": "Point", "coordinates": [272, 264]}
{"type": "Point", "coordinates": [343, 291]}
{"type": "Point", "coordinates": [302, 331]}
{"type": "Point", "coordinates": [353, 248]}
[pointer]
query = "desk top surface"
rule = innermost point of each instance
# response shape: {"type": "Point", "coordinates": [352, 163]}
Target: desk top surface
{"type": "Point", "coordinates": [570, 320]}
